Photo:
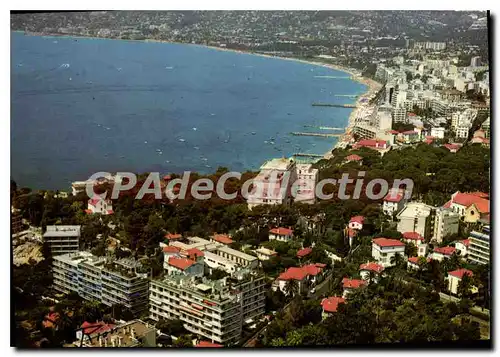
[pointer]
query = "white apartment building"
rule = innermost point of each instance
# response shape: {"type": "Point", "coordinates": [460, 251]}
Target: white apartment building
{"type": "Point", "coordinates": [445, 223]}
{"type": "Point", "coordinates": [394, 201]}
{"type": "Point", "coordinates": [462, 247]}
{"type": "Point", "coordinates": [62, 239]}
{"type": "Point", "coordinates": [455, 277]}
{"type": "Point", "coordinates": [383, 249]}
{"type": "Point", "coordinates": [479, 248]}
{"type": "Point", "coordinates": [264, 253]}
{"type": "Point", "coordinates": [307, 178]}
{"type": "Point", "coordinates": [273, 183]}
{"type": "Point", "coordinates": [416, 217]}
{"type": "Point", "coordinates": [215, 310]}
{"type": "Point", "coordinates": [109, 282]}
{"type": "Point", "coordinates": [437, 132]}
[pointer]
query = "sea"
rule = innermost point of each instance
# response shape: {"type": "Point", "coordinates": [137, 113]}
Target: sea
{"type": "Point", "coordinates": [84, 105]}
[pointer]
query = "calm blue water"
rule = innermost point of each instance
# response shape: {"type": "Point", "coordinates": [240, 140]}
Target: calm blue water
{"type": "Point", "coordinates": [85, 105]}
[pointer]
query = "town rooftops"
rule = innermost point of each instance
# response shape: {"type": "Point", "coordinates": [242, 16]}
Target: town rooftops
{"type": "Point", "coordinates": [180, 263]}
{"type": "Point", "coordinates": [412, 236]}
{"type": "Point", "coordinates": [353, 283]}
{"type": "Point", "coordinates": [237, 253]}
{"type": "Point", "coordinates": [90, 328]}
{"type": "Point", "coordinates": [299, 273]}
{"type": "Point", "coordinates": [459, 273]}
{"type": "Point", "coordinates": [280, 231]}
{"type": "Point", "coordinates": [332, 303]}
{"type": "Point", "coordinates": [415, 260]}
{"type": "Point", "coordinates": [394, 195]}
{"type": "Point", "coordinates": [371, 143]}
{"type": "Point", "coordinates": [303, 252]}
{"type": "Point", "coordinates": [265, 251]}
{"type": "Point", "coordinates": [357, 219]}
{"type": "Point", "coordinates": [372, 266]}
{"type": "Point", "coordinates": [194, 253]}
{"type": "Point", "coordinates": [409, 132]}
{"type": "Point", "coordinates": [386, 242]}
{"type": "Point", "coordinates": [353, 157]}
{"type": "Point", "coordinates": [445, 250]}
{"type": "Point", "coordinates": [222, 238]}
{"type": "Point", "coordinates": [452, 147]}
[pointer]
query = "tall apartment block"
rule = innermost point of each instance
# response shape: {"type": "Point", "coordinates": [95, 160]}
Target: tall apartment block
{"type": "Point", "coordinates": [95, 278]}
{"type": "Point", "coordinates": [214, 309]}
{"type": "Point", "coordinates": [62, 239]}
{"type": "Point", "coordinates": [479, 248]}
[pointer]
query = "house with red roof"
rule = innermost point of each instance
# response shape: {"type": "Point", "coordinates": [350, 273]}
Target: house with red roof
{"type": "Point", "coordinates": [471, 206]}
{"type": "Point", "coordinates": [304, 252]}
{"type": "Point", "coordinates": [414, 263]}
{"type": "Point", "coordinates": [453, 148]}
{"type": "Point", "coordinates": [382, 146]}
{"type": "Point", "coordinates": [356, 222]}
{"type": "Point", "coordinates": [306, 276]}
{"type": "Point", "coordinates": [330, 305]}
{"type": "Point", "coordinates": [98, 205]}
{"type": "Point", "coordinates": [440, 253]}
{"type": "Point", "coordinates": [455, 277]}
{"type": "Point", "coordinates": [50, 320]}
{"type": "Point", "coordinates": [349, 285]}
{"type": "Point", "coordinates": [177, 264]}
{"type": "Point", "coordinates": [221, 238]}
{"type": "Point", "coordinates": [462, 247]}
{"type": "Point", "coordinates": [383, 249]}
{"type": "Point", "coordinates": [93, 329]}
{"type": "Point", "coordinates": [479, 140]}
{"type": "Point", "coordinates": [394, 201]}
{"type": "Point", "coordinates": [281, 234]}
{"type": "Point", "coordinates": [413, 237]}
{"type": "Point", "coordinates": [370, 268]}
{"type": "Point", "coordinates": [354, 158]}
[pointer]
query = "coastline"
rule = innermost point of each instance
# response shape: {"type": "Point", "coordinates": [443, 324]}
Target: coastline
{"type": "Point", "coordinates": [372, 86]}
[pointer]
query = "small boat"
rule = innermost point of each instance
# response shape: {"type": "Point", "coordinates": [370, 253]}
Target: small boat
{"type": "Point", "coordinates": [108, 128]}
{"type": "Point", "coordinates": [289, 113]}
{"type": "Point", "coordinates": [145, 142]}
{"type": "Point", "coordinates": [266, 142]}
{"type": "Point", "coordinates": [158, 150]}
{"type": "Point", "coordinates": [169, 67]}
{"type": "Point", "coordinates": [271, 142]}
{"type": "Point", "coordinates": [70, 78]}
{"type": "Point", "coordinates": [167, 161]}
{"type": "Point", "coordinates": [208, 166]}
{"type": "Point", "coordinates": [205, 159]}
{"type": "Point", "coordinates": [253, 133]}
{"type": "Point", "coordinates": [195, 129]}
{"type": "Point", "coordinates": [196, 148]}
{"type": "Point", "coordinates": [182, 140]}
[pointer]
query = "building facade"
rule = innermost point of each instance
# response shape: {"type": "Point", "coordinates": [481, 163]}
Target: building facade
{"type": "Point", "coordinates": [62, 239]}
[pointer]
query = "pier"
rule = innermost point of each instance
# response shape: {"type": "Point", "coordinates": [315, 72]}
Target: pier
{"type": "Point", "coordinates": [334, 105]}
{"type": "Point", "coordinates": [329, 135]}
{"type": "Point", "coordinates": [302, 154]}
{"type": "Point", "coordinates": [323, 127]}
{"type": "Point", "coordinates": [347, 95]}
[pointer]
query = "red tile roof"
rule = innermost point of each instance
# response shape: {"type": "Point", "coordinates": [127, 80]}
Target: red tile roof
{"type": "Point", "coordinates": [445, 250]}
{"type": "Point", "coordinates": [371, 266]}
{"type": "Point", "coordinates": [194, 253]}
{"type": "Point", "coordinates": [412, 236]}
{"type": "Point", "coordinates": [180, 263]}
{"type": "Point", "coordinates": [208, 344]}
{"type": "Point", "coordinates": [386, 242]}
{"type": "Point", "coordinates": [303, 252]}
{"type": "Point", "coordinates": [50, 320]}
{"type": "Point", "coordinates": [415, 260]}
{"type": "Point", "coordinates": [353, 283]}
{"type": "Point", "coordinates": [281, 231]}
{"type": "Point", "coordinates": [467, 199]}
{"type": "Point", "coordinates": [294, 273]}
{"type": "Point", "coordinates": [354, 157]}
{"type": "Point", "coordinates": [171, 249]}
{"type": "Point", "coordinates": [357, 219]}
{"type": "Point", "coordinates": [372, 143]}
{"type": "Point", "coordinates": [394, 195]}
{"type": "Point", "coordinates": [171, 236]}
{"type": "Point", "coordinates": [452, 147]}
{"type": "Point", "coordinates": [459, 273]}
{"type": "Point", "coordinates": [332, 303]}
{"type": "Point", "coordinates": [409, 132]}
{"type": "Point", "coordinates": [465, 242]}
{"type": "Point", "coordinates": [395, 132]}
{"type": "Point", "coordinates": [312, 269]}
{"type": "Point", "coordinates": [222, 238]}
{"type": "Point", "coordinates": [90, 328]}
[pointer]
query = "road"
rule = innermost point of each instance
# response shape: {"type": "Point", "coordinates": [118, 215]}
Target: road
{"type": "Point", "coordinates": [321, 288]}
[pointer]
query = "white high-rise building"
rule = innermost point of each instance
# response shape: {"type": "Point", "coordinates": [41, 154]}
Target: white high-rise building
{"type": "Point", "coordinates": [479, 248]}
{"type": "Point", "coordinates": [62, 239]}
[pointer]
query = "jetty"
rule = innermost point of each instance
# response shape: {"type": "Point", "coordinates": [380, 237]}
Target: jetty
{"type": "Point", "coordinates": [302, 154]}
{"type": "Point", "coordinates": [347, 95]}
{"type": "Point", "coordinates": [334, 105]}
{"type": "Point", "coordinates": [325, 135]}
{"type": "Point", "coordinates": [323, 127]}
